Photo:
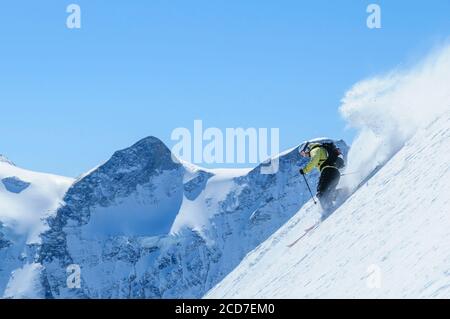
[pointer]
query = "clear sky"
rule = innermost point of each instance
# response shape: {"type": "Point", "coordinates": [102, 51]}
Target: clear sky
{"type": "Point", "coordinates": [70, 98]}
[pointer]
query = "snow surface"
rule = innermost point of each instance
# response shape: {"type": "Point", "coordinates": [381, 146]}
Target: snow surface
{"type": "Point", "coordinates": [4, 159]}
{"type": "Point", "coordinates": [25, 283]}
{"type": "Point", "coordinates": [196, 213]}
{"type": "Point", "coordinates": [24, 213]}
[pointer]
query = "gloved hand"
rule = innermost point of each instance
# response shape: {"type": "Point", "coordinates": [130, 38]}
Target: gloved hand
{"type": "Point", "coordinates": [302, 171]}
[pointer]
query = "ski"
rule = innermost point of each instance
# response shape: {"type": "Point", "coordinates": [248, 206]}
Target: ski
{"type": "Point", "coordinates": [306, 232]}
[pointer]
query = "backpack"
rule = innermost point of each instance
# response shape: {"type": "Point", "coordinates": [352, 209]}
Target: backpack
{"type": "Point", "coordinates": [333, 158]}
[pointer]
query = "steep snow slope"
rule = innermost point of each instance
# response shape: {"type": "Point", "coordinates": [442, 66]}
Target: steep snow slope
{"type": "Point", "coordinates": [144, 226]}
{"type": "Point", "coordinates": [390, 239]}
{"type": "Point", "coordinates": [26, 200]}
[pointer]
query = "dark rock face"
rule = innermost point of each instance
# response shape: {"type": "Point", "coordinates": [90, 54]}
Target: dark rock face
{"type": "Point", "coordinates": [15, 185]}
{"type": "Point", "coordinates": [4, 243]}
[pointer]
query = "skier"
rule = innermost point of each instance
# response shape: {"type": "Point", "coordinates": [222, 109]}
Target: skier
{"type": "Point", "coordinates": [326, 157]}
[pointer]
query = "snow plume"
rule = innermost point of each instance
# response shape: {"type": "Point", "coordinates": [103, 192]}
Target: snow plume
{"type": "Point", "coordinates": [387, 110]}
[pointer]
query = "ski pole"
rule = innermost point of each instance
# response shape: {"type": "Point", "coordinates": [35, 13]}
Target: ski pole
{"type": "Point", "coordinates": [309, 188]}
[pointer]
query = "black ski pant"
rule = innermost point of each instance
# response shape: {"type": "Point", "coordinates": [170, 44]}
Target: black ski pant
{"type": "Point", "coordinates": [328, 181]}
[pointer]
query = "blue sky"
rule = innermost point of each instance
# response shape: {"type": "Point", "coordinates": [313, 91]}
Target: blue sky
{"type": "Point", "coordinates": [70, 98]}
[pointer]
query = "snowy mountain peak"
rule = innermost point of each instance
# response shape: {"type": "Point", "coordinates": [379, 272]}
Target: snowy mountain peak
{"type": "Point", "coordinates": [179, 227]}
{"type": "Point", "coordinates": [148, 153]}
{"type": "Point", "coordinates": [149, 142]}
{"type": "Point", "coordinates": [4, 159]}
{"type": "Point", "coordinates": [128, 184]}
{"type": "Point", "coordinates": [164, 218]}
